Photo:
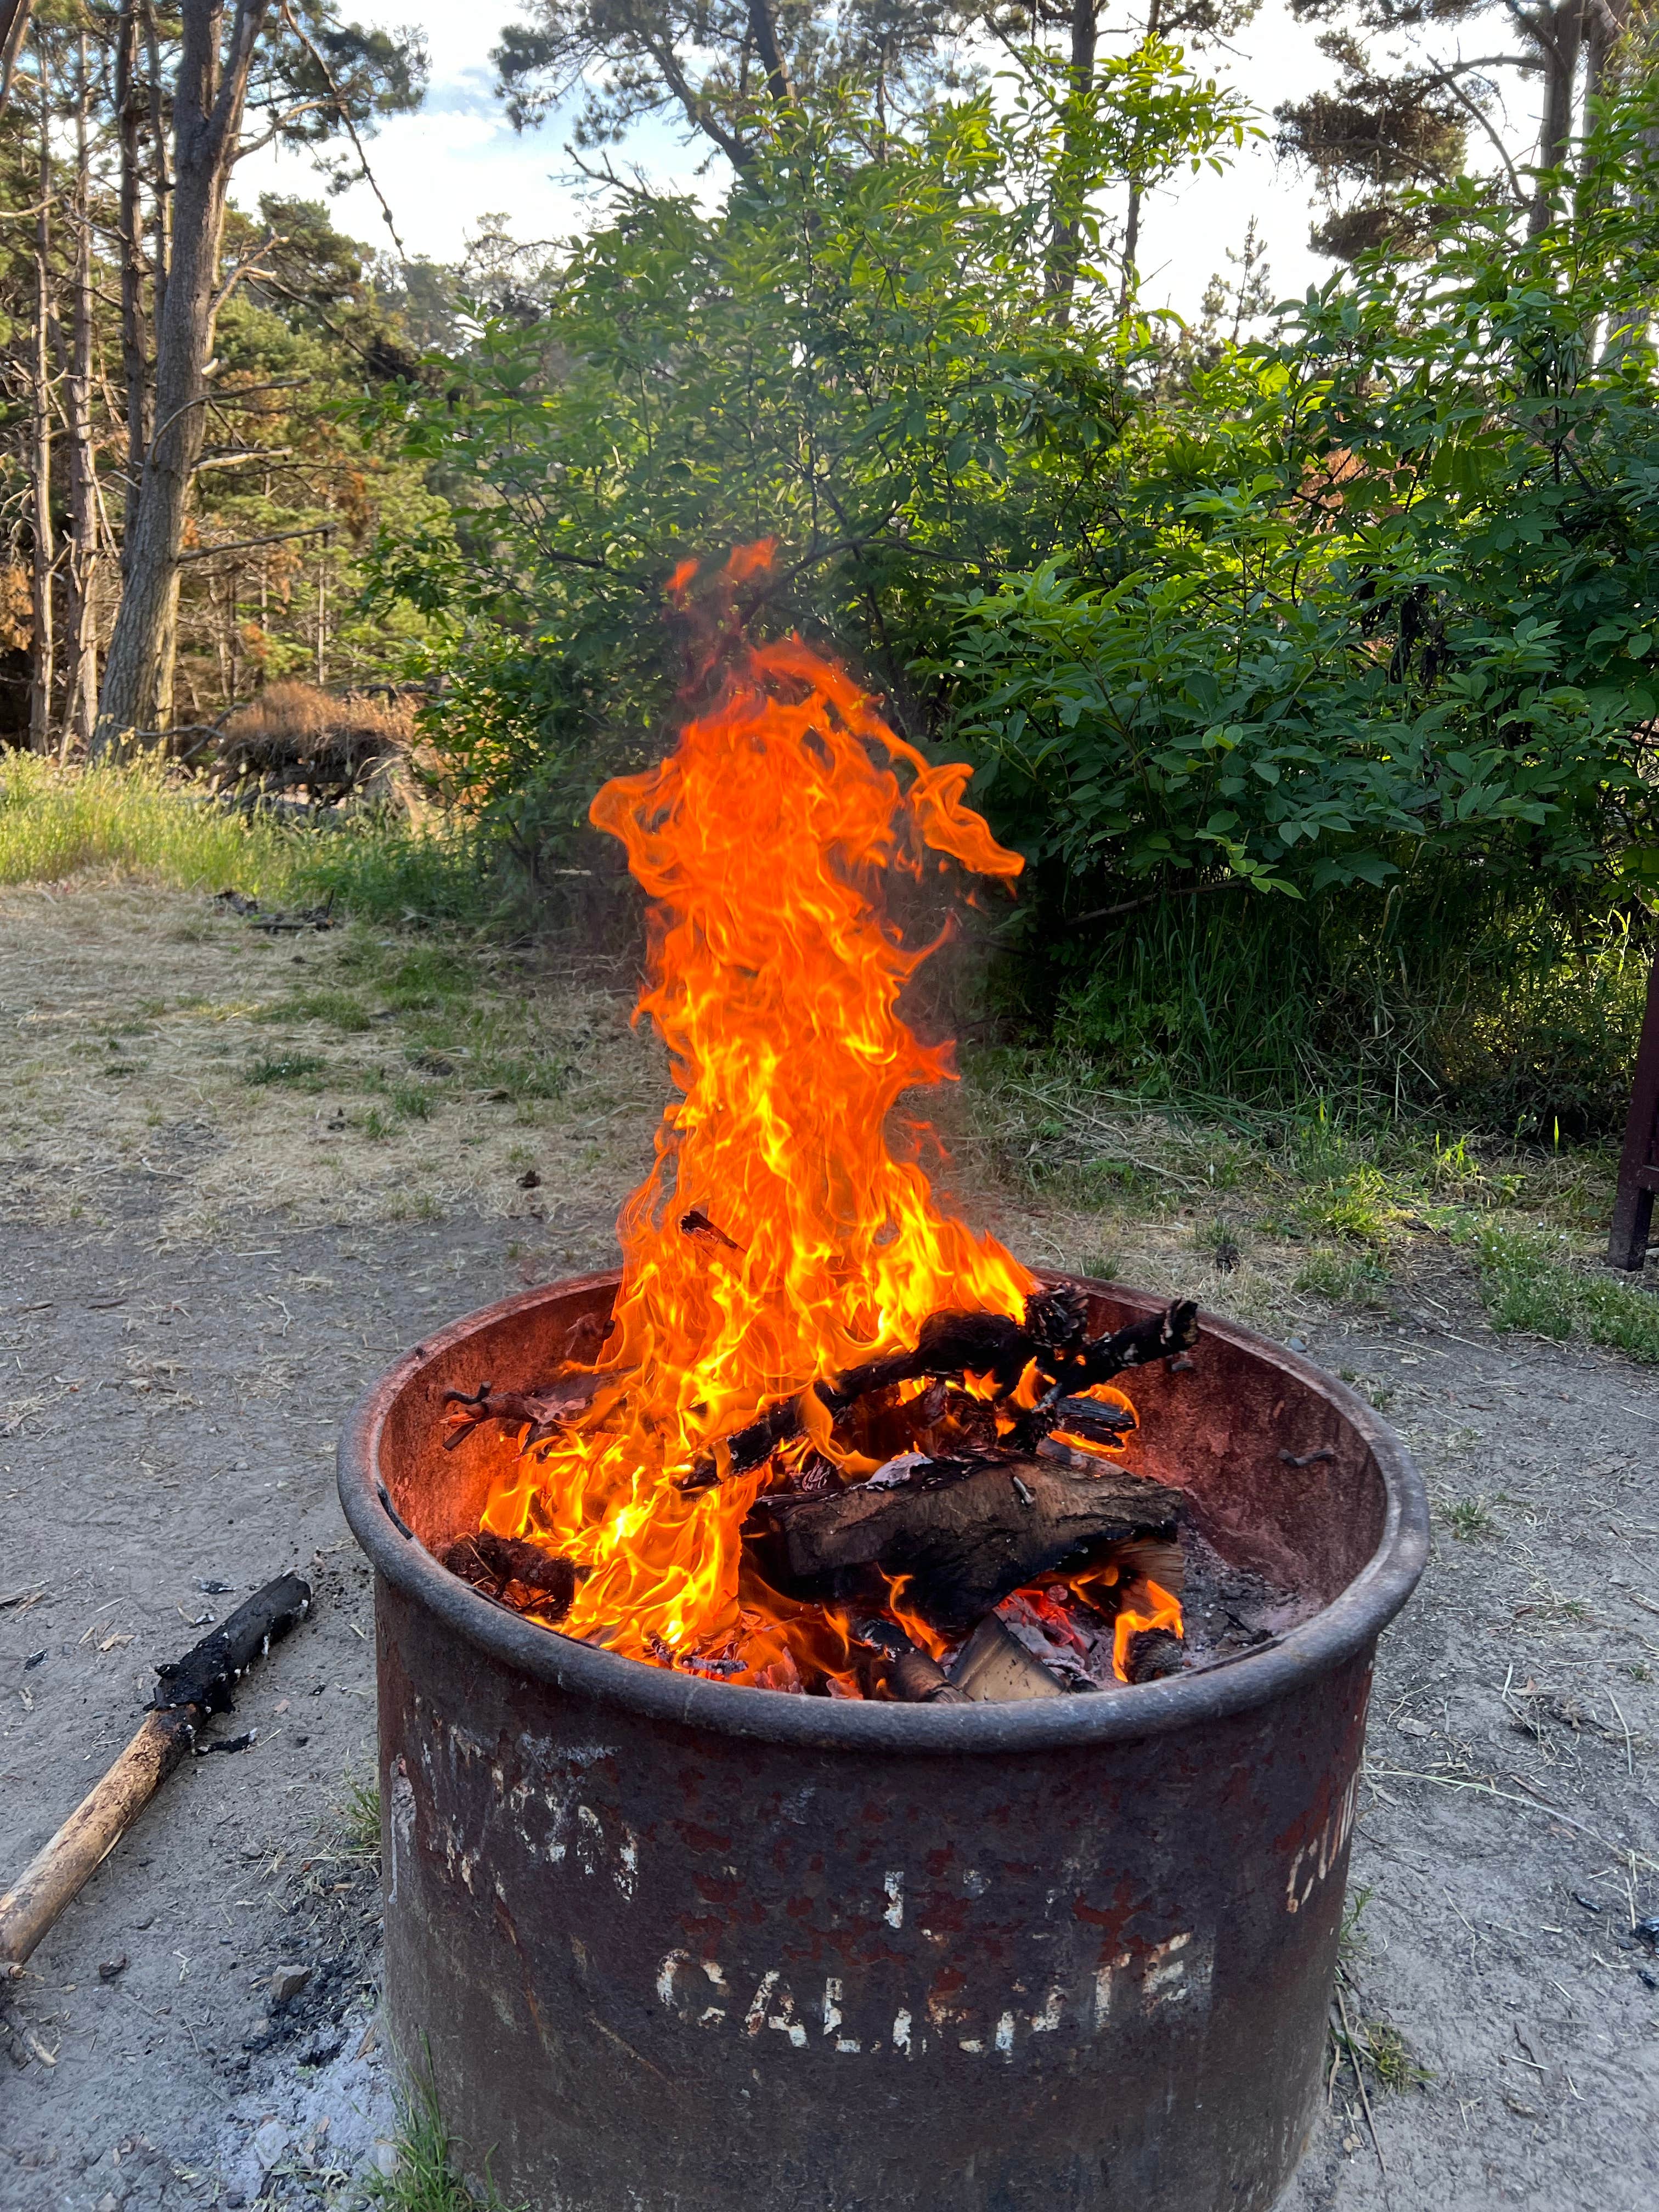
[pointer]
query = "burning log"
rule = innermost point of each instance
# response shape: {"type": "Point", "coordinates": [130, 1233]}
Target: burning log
{"type": "Point", "coordinates": [696, 1224]}
{"type": "Point", "coordinates": [1091, 1418]}
{"type": "Point", "coordinates": [969, 1535]}
{"type": "Point", "coordinates": [1152, 1655]}
{"type": "Point", "coordinates": [489, 1561]}
{"type": "Point", "coordinates": [1160, 1336]}
{"type": "Point", "coordinates": [948, 1343]}
{"type": "Point", "coordinates": [957, 1344]}
{"type": "Point", "coordinates": [916, 1677]}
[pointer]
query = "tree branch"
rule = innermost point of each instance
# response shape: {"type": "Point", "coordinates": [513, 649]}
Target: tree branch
{"type": "Point", "coordinates": [245, 544]}
{"type": "Point", "coordinates": [345, 116]}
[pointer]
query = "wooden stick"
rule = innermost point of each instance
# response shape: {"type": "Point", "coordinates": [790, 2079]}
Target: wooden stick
{"type": "Point", "coordinates": [91, 1833]}
{"type": "Point", "coordinates": [191, 1688]}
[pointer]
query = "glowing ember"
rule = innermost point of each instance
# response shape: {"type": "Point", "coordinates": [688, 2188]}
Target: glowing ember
{"type": "Point", "coordinates": [779, 1240]}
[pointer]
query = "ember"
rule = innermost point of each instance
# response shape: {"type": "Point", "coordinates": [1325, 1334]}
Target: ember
{"type": "Point", "coordinates": [833, 1442]}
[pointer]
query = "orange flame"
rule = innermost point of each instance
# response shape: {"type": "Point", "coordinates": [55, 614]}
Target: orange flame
{"type": "Point", "coordinates": [773, 977]}
{"type": "Point", "coordinates": [1147, 1605]}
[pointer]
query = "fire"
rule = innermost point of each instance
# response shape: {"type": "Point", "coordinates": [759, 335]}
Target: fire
{"type": "Point", "coordinates": [1145, 1606]}
{"type": "Point", "coordinates": [781, 1236]}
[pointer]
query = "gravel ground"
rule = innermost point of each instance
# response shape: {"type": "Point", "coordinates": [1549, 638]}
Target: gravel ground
{"type": "Point", "coordinates": [171, 1385]}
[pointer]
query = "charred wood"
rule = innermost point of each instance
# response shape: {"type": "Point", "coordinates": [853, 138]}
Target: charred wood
{"type": "Point", "coordinates": [948, 1343]}
{"type": "Point", "coordinates": [490, 1562]}
{"type": "Point", "coordinates": [955, 1344]}
{"type": "Point", "coordinates": [205, 1677]}
{"type": "Point", "coordinates": [1160, 1336]}
{"type": "Point", "coordinates": [914, 1677]}
{"type": "Point", "coordinates": [1089, 1418]}
{"type": "Point", "coordinates": [696, 1224]}
{"type": "Point", "coordinates": [1152, 1655]}
{"type": "Point", "coordinates": [970, 1534]}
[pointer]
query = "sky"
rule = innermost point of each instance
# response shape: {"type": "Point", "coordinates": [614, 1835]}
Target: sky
{"type": "Point", "coordinates": [458, 159]}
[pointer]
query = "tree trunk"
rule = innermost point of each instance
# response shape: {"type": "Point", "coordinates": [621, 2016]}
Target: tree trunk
{"type": "Point", "coordinates": [1065, 243]}
{"type": "Point", "coordinates": [135, 353]}
{"type": "Point", "coordinates": [207, 127]}
{"type": "Point", "coordinates": [1137, 193]}
{"type": "Point", "coordinates": [764, 29]}
{"type": "Point", "coordinates": [1560, 39]}
{"type": "Point", "coordinates": [44, 669]}
{"type": "Point", "coordinates": [82, 703]}
{"type": "Point", "coordinates": [13, 29]}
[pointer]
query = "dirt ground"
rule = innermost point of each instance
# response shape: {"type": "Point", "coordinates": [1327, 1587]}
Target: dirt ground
{"type": "Point", "coordinates": [204, 1266]}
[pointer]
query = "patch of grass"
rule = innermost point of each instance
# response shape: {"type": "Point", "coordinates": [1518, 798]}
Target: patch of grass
{"type": "Point", "coordinates": [358, 1820]}
{"type": "Point", "coordinates": [149, 821]}
{"type": "Point", "coordinates": [1528, 1283]}
{"type": "Point", "coordinates": [423, 2178]}
{"type": "Point", "coordinates": [338, 1008]}
{"type": "Point", "coordinates": [1346, 1279]}
{"type": "Point", "coordinates": [1352, 1941]}
{"type": "Point", "coordinates": [417, 981]}
{"type": "Point", "coordinates": [1103, 1267]}
{"type": "Point", "coordinates": [298, 1071]}
{"type": "Point", "coordinates": [1360, 1205]}
{"type": "Point", "coordinates": [1386, 2052]}
{"type": "Point", "coordinates": [1468, 1520]}
{"type": "Point", "coordinates": [409, 1100]}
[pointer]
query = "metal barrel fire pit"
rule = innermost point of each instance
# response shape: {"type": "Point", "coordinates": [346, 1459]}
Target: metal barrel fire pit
{"type": "Point", "coordinates": [662, 1944]}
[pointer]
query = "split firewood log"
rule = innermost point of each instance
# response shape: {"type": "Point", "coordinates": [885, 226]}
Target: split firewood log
{"type": "Point", "coordinates": [968, 1534]}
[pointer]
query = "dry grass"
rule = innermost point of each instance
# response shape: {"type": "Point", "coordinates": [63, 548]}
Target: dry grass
{"type": "Point", "coordinates": [293, 737]}
{"type": "Point", "coordinates": [348, 1077]}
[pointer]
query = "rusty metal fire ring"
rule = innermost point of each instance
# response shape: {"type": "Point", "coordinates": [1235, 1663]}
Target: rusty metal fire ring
{"type": "Point", "coordinates": [1347, 1624]}
{"type": "Point", "coordinates": [1101, 1930]}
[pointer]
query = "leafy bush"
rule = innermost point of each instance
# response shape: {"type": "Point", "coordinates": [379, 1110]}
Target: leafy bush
{"type": "Point", "coordinates": [1311, 675]}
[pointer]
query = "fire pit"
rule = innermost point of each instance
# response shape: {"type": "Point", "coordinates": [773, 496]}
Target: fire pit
{"type": "Point", "coordinates": [665, 1941]}
{"type": "Point", "coordinates": [841, 1747]}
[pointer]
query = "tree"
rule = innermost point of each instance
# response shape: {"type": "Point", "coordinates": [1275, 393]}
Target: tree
{"type": "Point", "coordinates": [718, 66]}
{"type": "Point", "coordinates": [1400, 124]}
{"type": "Point", "coordinates": [300, 75]}
{"type": "Point", "coordinates": [857, 354]}
{"type": "Point", "coordinates": [1151, 40]}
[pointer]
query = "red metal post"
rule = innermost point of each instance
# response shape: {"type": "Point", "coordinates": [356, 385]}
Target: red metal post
{"type": "Point", "coordinates": [1638, 1169]}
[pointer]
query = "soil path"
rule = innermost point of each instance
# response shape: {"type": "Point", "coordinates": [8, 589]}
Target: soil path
{"type": "Point", "coordinates": [182, 1326]}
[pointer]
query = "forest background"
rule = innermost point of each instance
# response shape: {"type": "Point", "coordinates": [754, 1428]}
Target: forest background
{"type": "Point", "coordinates": [1303, 647]}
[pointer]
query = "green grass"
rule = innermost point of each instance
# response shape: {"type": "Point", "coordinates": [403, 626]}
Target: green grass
{"type": "Point", "coordinates": [1346, 1278]}
{"type": "Point", "coordinates": [358, 1820]}
{"type": "Point", "coordinates": [1385, 2050]}
{"type": "Point", "coordinates": [297, 1071]}
{"type": "Point", "coordinates": [1468, 1520]}
{"type": "Point", "coordinates": [339, 1009]}
{"type": "Point", "coordinates": [424, 2179]}
{"type": "Point", "coordinates": [55, 823]}
{"type": "Point", "coordinates": [1467, 993]}
{"type": "Point", "coordinates": [1100, 1266]}
{"type": "Point", "coordinates": [1528, 1283]}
